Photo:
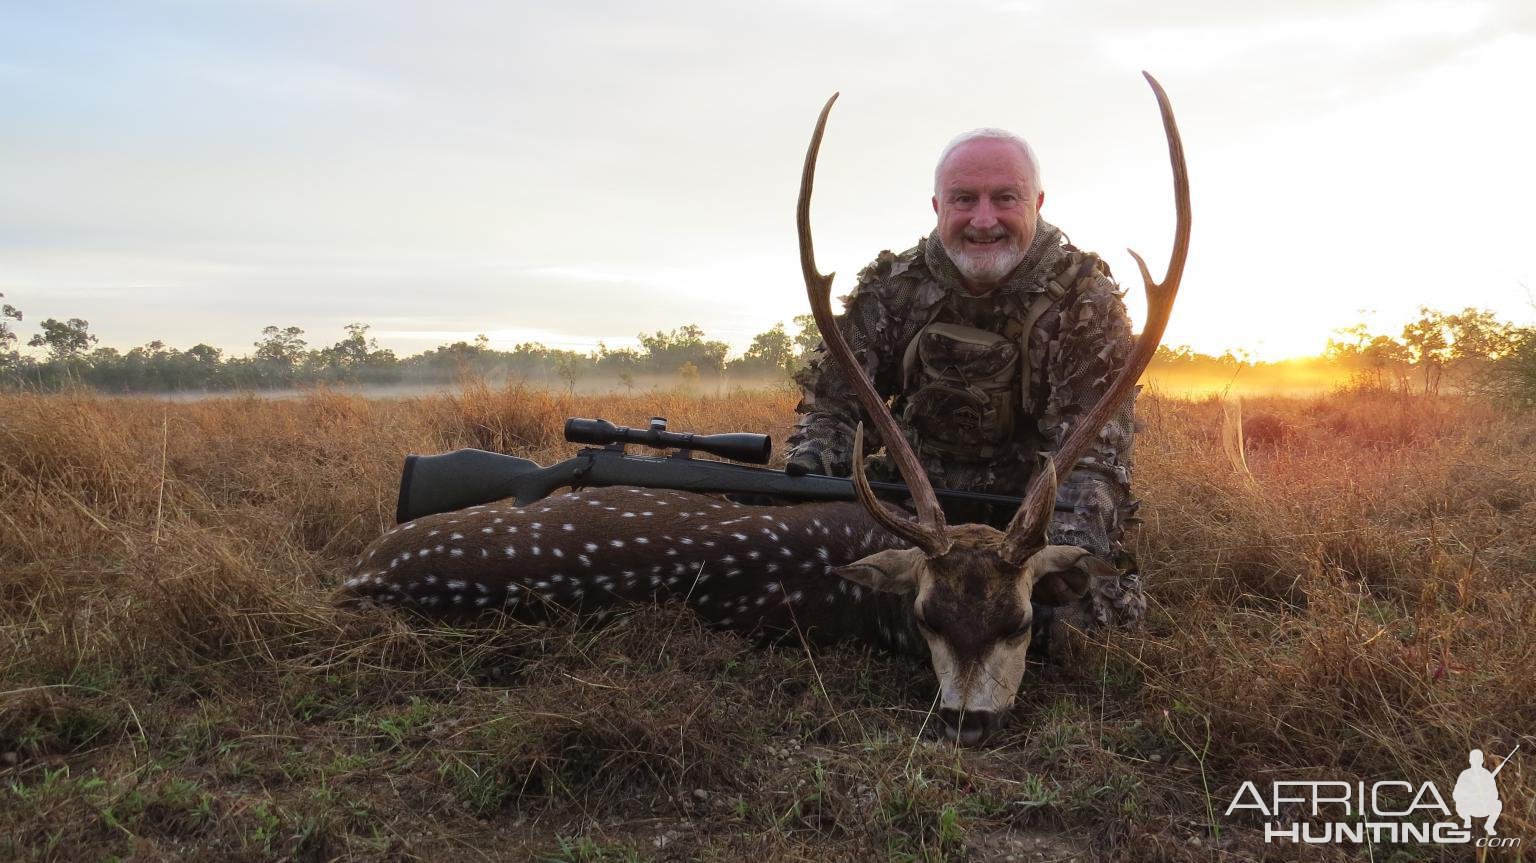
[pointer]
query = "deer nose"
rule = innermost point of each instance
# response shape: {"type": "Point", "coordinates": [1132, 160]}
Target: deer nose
{"type": "Point", "coordinates": [967, 728]}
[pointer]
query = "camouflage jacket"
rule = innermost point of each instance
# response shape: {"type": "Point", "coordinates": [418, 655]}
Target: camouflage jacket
{"type": "Point", "coordinates": [1074, 349]}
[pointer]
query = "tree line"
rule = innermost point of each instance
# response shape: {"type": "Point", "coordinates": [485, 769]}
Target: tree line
{"type": "Point", "coordinates": [282, 357]}
{"type": "Point", "coordinates": [1468, 351]}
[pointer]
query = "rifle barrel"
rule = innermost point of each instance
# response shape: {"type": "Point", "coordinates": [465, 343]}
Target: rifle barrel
{"type": "Point", "coordinates": [1506, 760]}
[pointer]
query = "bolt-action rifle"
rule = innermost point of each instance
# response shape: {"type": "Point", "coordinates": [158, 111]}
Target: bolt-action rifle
{"type": "Point", "coordinates": [468, 477]}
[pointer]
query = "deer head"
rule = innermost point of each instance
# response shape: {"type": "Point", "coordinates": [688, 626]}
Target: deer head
{"type": "Point", "coordinates": [972, 585]}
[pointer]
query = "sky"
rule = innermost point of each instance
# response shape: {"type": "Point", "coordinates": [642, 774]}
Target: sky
{"type": "Point", "coordinates": [575, 172]}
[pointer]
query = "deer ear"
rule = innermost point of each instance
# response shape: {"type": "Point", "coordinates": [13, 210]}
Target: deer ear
{"type": "Point", "coordinates": [893, 571]}
{"type": "Point", "coordinates": [1061, 573]}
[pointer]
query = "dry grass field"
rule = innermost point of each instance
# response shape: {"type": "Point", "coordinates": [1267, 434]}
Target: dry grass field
{"type": "Point", "coordinates": [1358, 604]}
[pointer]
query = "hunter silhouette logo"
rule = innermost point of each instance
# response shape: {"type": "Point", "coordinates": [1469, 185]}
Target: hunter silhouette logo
{"type": "Point", "coordinates": [1476, 795]}
{"type": "Point", "coordinates": [1315, 812]}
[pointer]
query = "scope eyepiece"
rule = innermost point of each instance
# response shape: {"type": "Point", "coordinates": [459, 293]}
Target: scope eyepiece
{"type": "Point", "coordinates": [599, 432]}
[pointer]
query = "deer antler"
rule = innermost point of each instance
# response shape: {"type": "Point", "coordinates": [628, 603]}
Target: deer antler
{"type": "Point", "coordinates": [1026, 532]}
{"type": "Point", "coordinates": [928, 531]}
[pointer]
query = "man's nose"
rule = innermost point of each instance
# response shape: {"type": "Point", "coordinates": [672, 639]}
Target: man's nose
{"type": "Point", "coordinates": [984, 216]}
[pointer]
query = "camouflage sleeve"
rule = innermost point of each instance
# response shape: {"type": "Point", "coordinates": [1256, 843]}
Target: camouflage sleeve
{"type": "Point", "coordinates": [828, 409]}
{"type": "Point", "coordinates": [1090, 346]}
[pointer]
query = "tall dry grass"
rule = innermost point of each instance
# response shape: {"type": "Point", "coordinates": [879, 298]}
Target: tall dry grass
{"type": "Point", "coordinates": [1354, 602]}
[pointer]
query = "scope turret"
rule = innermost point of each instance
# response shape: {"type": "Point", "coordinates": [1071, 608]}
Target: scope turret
{"type": "Point", "coordinates": [737, 446]}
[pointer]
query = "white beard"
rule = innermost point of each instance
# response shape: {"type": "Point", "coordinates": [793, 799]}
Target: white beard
{"type": "Point", "coordinates": [989, 267]}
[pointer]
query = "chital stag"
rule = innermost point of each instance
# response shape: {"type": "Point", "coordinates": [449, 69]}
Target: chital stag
{"type": "Point", "coordinates": [960, 593]}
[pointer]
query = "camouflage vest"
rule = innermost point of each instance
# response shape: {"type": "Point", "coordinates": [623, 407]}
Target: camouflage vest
{"type": "Point", "coordinates": [966, 389]}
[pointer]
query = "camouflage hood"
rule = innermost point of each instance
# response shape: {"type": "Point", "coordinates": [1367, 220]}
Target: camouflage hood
{"type": "Point", "coordinates": [1041, 261]}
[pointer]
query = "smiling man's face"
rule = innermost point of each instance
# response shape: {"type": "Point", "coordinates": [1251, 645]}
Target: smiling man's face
{"type": "Point", "coordinates": [988, 208]}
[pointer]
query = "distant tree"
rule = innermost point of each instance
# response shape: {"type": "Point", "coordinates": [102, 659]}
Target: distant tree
{"type": "Point", "coordinates": [10, 359]}
{"type": "Point", "coordinates": [1478, 342]}
{"type": "Point", "coordinates": [771, 352]}
{"type": "Point", "coordinates": [1477, 335]}
{"type": "Point", "coordinates": [356, 357]}
{"type": "Point", "coordinates": [283, 346]}
{"type": "Point", "coordinates": [1512, 378]}
{"type": "Point", "coordinates": [66, 341]}
{"type": "Point", "coordinates": [530, 358]}
{"type": "Point", "coordinates": [568, 365]}
{"type": "Point", "coordinates": [1384, 356]}
{"type": "Point", "coordinates": [620, 362]}
{"type": "Point", "coordinates": [627, 380]}
{"type": "Point", "coordinates": [201, 366]}
{"type": "Point", "coordinates": [1346, 345]}
{"type": "Point", "coordinates": [204, 355]}
{"type": "Point", "coordinates": [279, 354]}
{"type": "Point", "coordinates": [688, 373]}
{"type": "Point", "coordinates": [806, 339]}
{"type": "Point", "coordinates": [686, 344]}
{"type": "Point", "coordinates": [1428, 346]}
{"type": "Point", "coordinates": [1373, 357]}
{"type": "Point", "coordinates": [7, 335]}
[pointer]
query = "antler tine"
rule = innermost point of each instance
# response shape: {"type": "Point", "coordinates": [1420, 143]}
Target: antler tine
{"type": "Point", "coordinates": [1027, 530]}
{"type": "Point", "coordinates": [927, 532]}
{"type": "Point", "coordinates": [902, 527]}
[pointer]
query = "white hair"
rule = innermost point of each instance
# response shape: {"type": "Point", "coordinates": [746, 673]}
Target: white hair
{"type": "Point", "coordinates": [990, 135]}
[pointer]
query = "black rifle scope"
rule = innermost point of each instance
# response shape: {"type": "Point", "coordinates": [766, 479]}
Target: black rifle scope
{"type": "Point", "coordinates": [737, 446]}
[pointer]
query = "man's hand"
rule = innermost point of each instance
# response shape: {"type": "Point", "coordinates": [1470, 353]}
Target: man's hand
{"type": "Point", "coordinates": [804, 461]}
